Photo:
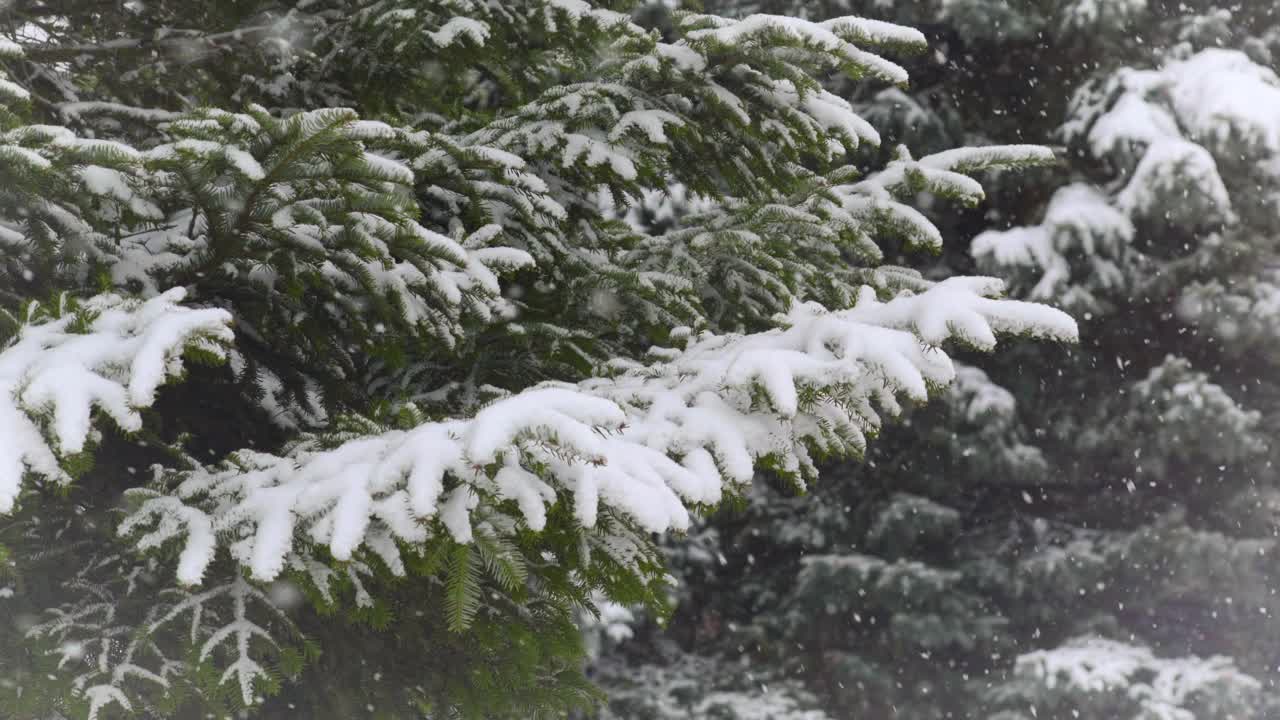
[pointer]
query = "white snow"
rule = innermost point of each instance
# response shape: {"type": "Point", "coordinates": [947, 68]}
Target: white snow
{"type": "Point", "coordinates": [55, 377]}
{"type": "Point", "coordinates": [1132, 120]}
{"type": "Point", "coordinates": [645, 443]}
{"type": "Point", "coordinates": [651, 122]}
{"type": "Point", "coordinates": [1162, 686]}
{"type": "Point", "coordinates": [1078, 220]}
{"type": "Point", "coordinates": [246, 163]}
{"type": "Point", "coordinates": [1218, 94]}
{"type": "Point", "coordinates": [392, 170]}
{"type": "Point", "coordinates": [1172, 169]}
{"type": "Point", "coordinates": [474, 30]}
{"type": "Point", "coordinates": [592, 153]}
{"type": "Point", "coordinates": [819, 35]}
{"type": "Point", "coordinates": [14, 90]}
{"type": "Point", "coordinates": [875, 32]}
{"type": "Point", "coordinates": [76, 109]}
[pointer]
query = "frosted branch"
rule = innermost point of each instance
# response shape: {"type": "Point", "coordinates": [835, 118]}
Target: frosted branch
{"type": "Point", "coordinates": [647, 443]}
{"type": "Point", "coordinates": [107, 354]}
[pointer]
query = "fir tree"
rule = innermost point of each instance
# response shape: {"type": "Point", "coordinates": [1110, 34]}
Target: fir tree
{"type": "Point", "coordinates": [327, 311]}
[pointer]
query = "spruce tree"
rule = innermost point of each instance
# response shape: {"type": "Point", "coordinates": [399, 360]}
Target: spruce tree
{"type": "Point", "coordinates": [332, 381]}
{"type": "Point", "coordinates": [1162, 239]}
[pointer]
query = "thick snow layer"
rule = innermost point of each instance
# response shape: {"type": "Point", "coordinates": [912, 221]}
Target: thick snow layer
{"type": "Point", "coordinates": [1221, 95]}
{"type": "Point", "coordinates": [1132, 119]}
{"type": "Point", "coordinates": [1180, 120]}
{"type": "Point", "coordinates": [875, 32]}
{"type": "Point", "coordinates": [1168, 130]}
{"type": "Point", "coordinates": [648, 443]}
{"type": "Point", "coordinates": [1172, 169]}
{"type": "Point", "coordinates": [1162, 686]}
{"type": "Point", "coordinates": [1079, 221]}
{"type": "Point", "coordinates": [474, 30]}
{"type": "Point", "coordinates": [54, 375]}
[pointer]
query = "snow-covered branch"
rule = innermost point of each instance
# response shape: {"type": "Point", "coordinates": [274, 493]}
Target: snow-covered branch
{"type": "Point", "coordinates": [646, 443]}
{"type": "Point", "coordinates": [1162, 688]}
{"type": "Point", "coordinates": [107, 354]}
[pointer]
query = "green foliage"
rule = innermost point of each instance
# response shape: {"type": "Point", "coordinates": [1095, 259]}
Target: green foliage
{"type": "Point", "coordinates": [387, 218]}
{"type": "Point", "coordinates": [996, 554]}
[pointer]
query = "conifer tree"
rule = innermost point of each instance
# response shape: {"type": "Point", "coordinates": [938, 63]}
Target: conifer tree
{"type": "Point", "coordinates": [1094, 542]}
{"type": "Point", "coordinates": [326, 353]}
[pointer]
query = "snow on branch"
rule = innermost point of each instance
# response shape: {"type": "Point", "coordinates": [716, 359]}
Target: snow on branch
{"type": "Point", "coordinates": [835, 38]}
{"type": "Point", "coordinates": [645, 444]}
{"type": "Point", "coordinates": [1173, 134]}
{"type": "Point", "coordinates": [825, 225]}
{"type": "Point", "coordinates": [106, 353]}
{"type": "Point", "coordinates": [1160, 687]}
{"type": "Point", "coordinates": [876, 33]}
{"type": "Point", "coordinates": [1079, 221]}
{"type": "Point", "coordinates": [1175, 125]}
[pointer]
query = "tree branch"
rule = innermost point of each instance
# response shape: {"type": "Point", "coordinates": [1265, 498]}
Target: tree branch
{"type": "Point", "coordinates": [170, 41]}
